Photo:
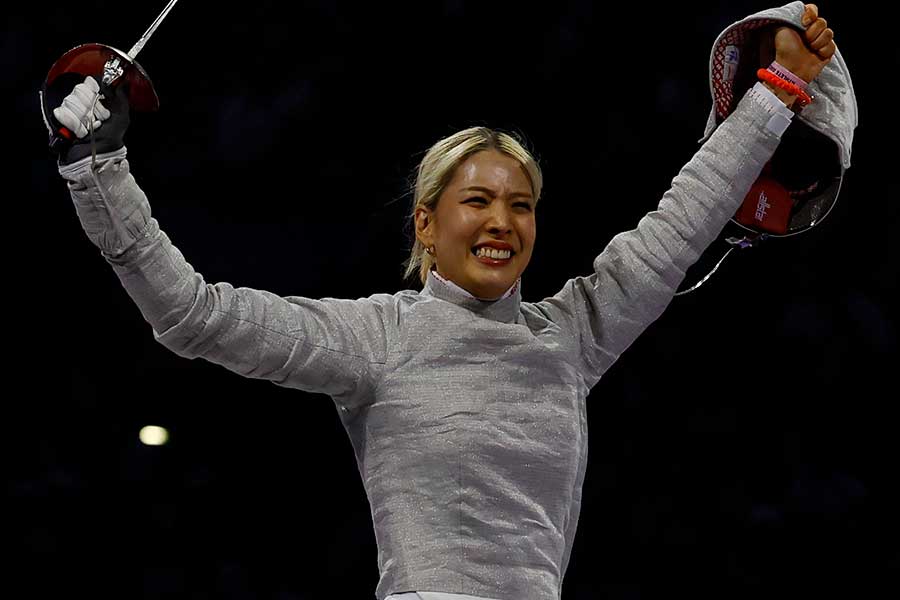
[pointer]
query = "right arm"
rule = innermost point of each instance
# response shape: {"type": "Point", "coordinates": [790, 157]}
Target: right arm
{"type": "Point", "coordinates": [327, 346]}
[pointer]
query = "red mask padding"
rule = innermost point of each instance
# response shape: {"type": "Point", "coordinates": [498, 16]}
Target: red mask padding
{"type": "Point", "coordinates": [767, 207]}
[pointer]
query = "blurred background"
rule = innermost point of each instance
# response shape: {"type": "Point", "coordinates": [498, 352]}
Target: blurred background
{"type": "Point", "coordinates": [745, 445]}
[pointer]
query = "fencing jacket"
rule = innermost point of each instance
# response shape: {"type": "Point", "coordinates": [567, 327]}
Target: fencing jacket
{"type": "Point", "coordinates": [467, 417]}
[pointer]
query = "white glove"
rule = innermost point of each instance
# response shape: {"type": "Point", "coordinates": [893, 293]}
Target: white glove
{"type": "Point", "coordinates": [75, 111]}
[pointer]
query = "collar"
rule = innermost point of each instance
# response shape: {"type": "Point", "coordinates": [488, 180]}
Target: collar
{"type": "Point", "coordinates": [504, 309]}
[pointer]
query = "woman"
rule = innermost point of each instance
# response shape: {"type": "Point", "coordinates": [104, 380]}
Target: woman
{"type": "Point", "coordinates": [464, 404]}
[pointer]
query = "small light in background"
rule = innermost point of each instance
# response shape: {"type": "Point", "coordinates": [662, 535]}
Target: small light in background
{"type": "Point", "coordinates": [154, 436]}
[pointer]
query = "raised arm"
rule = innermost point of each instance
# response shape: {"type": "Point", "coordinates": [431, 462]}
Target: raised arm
{"type": "Point", "coordinates": [329, 346]}
{"type": "Point", "coordinates": [638, 273]}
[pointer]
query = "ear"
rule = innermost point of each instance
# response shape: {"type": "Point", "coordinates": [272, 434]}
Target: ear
{"type": "Point", "coordinates": [425, 226]}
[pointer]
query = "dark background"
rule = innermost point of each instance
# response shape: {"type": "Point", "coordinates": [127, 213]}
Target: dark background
{"type": "Point", "coordinates": [745, 445]}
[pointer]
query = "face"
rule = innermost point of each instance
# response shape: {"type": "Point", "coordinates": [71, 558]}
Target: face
{"type": "Point", "coordinates": [488, 200]}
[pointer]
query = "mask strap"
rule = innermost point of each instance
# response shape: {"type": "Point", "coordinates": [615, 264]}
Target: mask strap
{"type": "Point", "coordinates": [748, 241]}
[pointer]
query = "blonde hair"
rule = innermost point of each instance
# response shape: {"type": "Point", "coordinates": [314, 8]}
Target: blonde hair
{"type": "Point", "coordinates": [437, 169]}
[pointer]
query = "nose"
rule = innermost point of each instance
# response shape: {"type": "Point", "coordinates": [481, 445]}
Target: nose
{"type": "Point", "coordinates": [499, 220]}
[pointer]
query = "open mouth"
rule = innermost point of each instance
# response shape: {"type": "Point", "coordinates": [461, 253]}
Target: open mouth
{"type": "Point", "coordinates": [492, 256]}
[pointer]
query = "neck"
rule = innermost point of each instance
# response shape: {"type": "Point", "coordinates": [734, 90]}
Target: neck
{"type": "Point", "coordinates": [504, 309]}
{"type": "Point", "coordinates": [506, 294]}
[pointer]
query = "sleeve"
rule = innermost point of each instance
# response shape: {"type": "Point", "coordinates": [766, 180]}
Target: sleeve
{"type": "Point", "coordinates": [330, 346]}
{"type": "Point", "coordinates": [639, 271]}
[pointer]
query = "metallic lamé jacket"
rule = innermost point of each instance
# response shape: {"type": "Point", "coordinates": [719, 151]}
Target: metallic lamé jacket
{"type": "Point", "coordinates": [467, 417]}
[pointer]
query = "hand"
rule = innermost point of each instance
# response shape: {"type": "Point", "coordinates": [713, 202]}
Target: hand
{"type": "Point", "coordinates": [81, 110]}
{"type": "Point", "coordinates": [81, 107]}
{"type": "Point", "coordinates": [806, 53]}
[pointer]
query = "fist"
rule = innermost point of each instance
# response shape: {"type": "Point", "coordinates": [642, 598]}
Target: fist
{"type": "Point", "coordinates": [805, 53]}
{"type": "Point", "coordinates": [81, 109]}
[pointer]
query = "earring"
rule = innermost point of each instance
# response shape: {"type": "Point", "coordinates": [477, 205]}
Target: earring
{"type": "Point", "coordinates": [430, 250]}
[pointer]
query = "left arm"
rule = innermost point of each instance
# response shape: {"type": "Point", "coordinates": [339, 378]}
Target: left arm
{"type": "Point", "coordinates": [638, 273]}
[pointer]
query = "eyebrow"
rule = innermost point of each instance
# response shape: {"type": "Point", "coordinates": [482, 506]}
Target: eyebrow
{"type": "Point", "coordinates": [491, 193]}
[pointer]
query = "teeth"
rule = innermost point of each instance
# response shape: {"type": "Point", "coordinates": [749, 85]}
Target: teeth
{"type": "Point", "coordinates": [493, 253]}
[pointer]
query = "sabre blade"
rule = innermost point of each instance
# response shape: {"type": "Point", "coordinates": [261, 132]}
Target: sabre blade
{"type": "Point", "coordinates": [140, 43]}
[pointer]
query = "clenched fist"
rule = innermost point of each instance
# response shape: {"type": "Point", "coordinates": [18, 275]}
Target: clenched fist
{"type": "Point", "coordinates": [82, 111]}
{"type": "Point", "coordinates": [805, 54]}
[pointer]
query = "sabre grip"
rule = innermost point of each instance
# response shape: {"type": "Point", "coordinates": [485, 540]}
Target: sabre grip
{"type": "Point", "coordinates": [108, 136]}
{"type": "Point", "coordinates": [60, 139]}
{"type": "Point", "coordinates": [63, 137]}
